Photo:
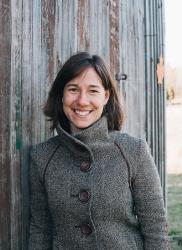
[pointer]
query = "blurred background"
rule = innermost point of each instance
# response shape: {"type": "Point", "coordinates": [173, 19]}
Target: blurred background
{"type": "Point", "coordinates": [173, 74]}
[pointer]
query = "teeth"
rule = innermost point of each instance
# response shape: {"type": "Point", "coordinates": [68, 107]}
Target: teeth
{"type": "Point", "coordinates": [83, 113]}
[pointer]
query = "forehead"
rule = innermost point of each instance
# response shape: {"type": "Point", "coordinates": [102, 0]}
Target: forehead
{"type": "Point", "coordinates": [88, 76]}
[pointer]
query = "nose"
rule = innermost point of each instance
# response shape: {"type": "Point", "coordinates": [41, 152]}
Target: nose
{"type": "Point", "coordinates": [82, 99]}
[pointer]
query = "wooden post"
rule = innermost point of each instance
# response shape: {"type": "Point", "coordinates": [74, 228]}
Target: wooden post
{"type": "Point", "coordinates": [5, 157]}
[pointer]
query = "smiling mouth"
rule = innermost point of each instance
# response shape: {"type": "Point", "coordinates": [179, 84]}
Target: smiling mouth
{"type": "Point", "coordinates": [82, 113]}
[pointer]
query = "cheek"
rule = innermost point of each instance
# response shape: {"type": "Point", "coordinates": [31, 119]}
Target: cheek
{"type": "Point", "coordinates": [104, 100]}
{"type": "Point", "coordinates": [100, 103]}
{"type": "Point", "coordinates": [66, 103]}
{"type": "Point", "coordinates": [67, 100]}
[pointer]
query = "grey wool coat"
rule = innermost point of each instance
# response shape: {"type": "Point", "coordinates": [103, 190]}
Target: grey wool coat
{"type": "Point", "coordinates": [96, 190]}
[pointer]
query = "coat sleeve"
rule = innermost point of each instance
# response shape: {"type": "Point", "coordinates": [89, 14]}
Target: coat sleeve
{"type": "Point", "coordinates": [40, 232]}
{"type": "Point", "coordinates": [149, 204]}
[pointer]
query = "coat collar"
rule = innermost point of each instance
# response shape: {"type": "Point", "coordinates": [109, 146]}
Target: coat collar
{"type": "Point", "coordinates": [95, 133]}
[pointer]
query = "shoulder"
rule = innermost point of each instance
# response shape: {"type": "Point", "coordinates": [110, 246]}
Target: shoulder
{"type": "Point", "coordinates": [42, 151]}
{"type": "Point", "coordinates": [135, 148]}
{"type": "Point", "coordinates": [135, 151]}
{"type": "Point", "coordinates": [129, 142]}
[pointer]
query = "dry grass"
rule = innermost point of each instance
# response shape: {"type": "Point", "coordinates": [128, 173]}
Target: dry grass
{"type": "Point", "coordinates": [175, 210]}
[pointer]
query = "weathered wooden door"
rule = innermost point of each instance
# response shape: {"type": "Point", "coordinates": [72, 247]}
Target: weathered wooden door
{"type": "Point", "coordinates": [141, 46]}
{"type": "Point", "coordinates": [35, 38]}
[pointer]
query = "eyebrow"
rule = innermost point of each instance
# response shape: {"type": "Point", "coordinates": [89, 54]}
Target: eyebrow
{"type": "Point", "coordinates": [94, 86]}
{"type": "Point", "coordinates": [76, 85]}
{"type": "Point", "coordinates": [71, 85]}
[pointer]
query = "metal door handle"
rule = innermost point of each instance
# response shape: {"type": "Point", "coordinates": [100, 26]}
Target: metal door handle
{"type": "Point", "coordinates": [120, 76]}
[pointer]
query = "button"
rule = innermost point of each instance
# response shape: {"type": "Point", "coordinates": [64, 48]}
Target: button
{"type": "Point", "coordinates": [85, 166]}
{"type": "Point", "coordinates": [84, 195]}
{"type": "Point", "coordinates": [86, 228]}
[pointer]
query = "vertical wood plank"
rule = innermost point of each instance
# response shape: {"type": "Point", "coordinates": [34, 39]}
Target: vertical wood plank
{"type": "Point", "coordinates": [27, 112]}
{"type": "Point", "coordinates": [5, 157]}
{"type": "Point", "coordinates": [16, 124]}
{"type": "Point", "coordinates": [47, 54]}
{"type": "Point", "coordinates": [155, 118]}
{"type": "Point", "coordinates": [114, 36]}
{"type": "Point", "coordinates": [83, 25]}
{"type": "Point", "coordinates": [132, 63]}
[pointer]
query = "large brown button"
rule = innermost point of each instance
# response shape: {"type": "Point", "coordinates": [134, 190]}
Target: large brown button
{"type": "Point", "coordinates": [85, 166]}
{"type": "Point", "coordinates": [86, 228]}
{"type": "Point", "coordinates": [84, 195]}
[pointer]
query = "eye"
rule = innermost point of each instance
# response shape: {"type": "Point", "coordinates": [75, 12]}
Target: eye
{"type": "Point", "coordinates": [94, 91]}
{"type": "Point", "coordinates": [72, 90]}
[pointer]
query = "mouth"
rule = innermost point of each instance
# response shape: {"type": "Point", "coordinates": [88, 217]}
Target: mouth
{"type": "Point", "coordinates": [82, 113]}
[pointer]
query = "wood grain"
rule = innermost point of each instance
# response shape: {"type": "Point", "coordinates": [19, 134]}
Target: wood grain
{"type": "Point", "coordinates": [36, 37]}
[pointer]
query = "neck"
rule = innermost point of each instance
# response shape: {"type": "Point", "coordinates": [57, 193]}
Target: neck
{"type": "Point", "coordinates": [74, 130]}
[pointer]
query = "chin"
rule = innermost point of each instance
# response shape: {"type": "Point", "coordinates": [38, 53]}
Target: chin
{"type": "Point", "coordinates": [84, 126]}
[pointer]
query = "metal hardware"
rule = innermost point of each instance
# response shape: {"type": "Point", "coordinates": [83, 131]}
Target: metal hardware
{"type": "Point", "coordinates": [120, 76]}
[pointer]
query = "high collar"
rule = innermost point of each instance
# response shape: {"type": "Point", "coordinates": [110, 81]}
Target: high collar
{"type": "Point", "coordinates": [95, 133]}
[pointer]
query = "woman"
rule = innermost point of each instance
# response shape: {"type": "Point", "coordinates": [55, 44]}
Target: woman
{"type": "Point", "coordinates": [92, 187]}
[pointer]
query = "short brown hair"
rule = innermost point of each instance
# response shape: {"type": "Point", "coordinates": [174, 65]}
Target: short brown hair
{"type": "Point", "coordinates": [74, 66]}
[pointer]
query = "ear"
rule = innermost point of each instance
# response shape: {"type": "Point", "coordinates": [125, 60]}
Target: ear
{"type": "Point", "coordinates": [107, 95]}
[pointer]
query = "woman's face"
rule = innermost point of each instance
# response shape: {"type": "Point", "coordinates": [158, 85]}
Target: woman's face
{"type": "Point", "coordinates": [83, 99]}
